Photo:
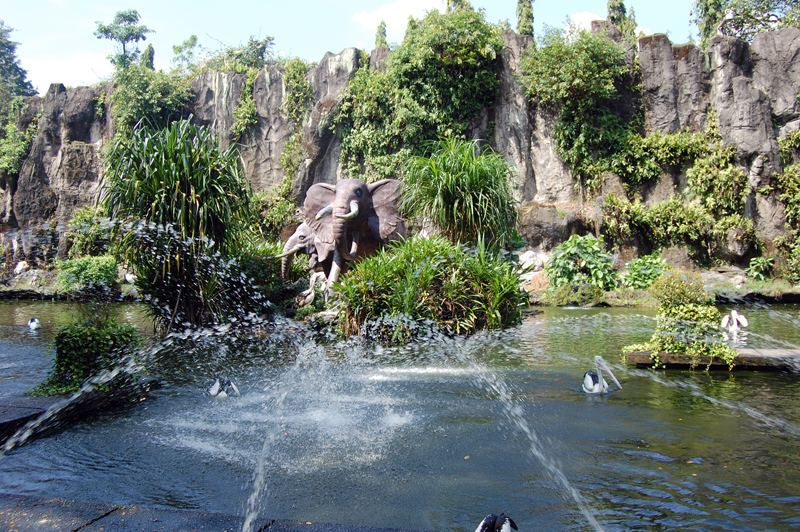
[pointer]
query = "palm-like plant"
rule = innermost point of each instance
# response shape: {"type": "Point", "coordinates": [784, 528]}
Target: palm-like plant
{"type": "Point", "coordinates": [180, 203]}
{"type": "Point", "coordinates": [463, 190]}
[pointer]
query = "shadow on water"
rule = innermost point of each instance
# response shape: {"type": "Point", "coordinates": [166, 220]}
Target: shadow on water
{"type": "Point", "coordinates": [440, 432]}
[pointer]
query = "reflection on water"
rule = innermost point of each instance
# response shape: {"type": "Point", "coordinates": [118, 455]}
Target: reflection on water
{"type": "Point", "coordinates": [420, 437]}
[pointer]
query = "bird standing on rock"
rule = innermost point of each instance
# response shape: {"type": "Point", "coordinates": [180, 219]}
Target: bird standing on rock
{"type": "Point", "coordinates": [496, 523]}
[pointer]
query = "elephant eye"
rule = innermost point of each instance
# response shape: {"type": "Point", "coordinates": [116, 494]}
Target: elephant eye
{"type": "Point", "coordinates": [359, 192]}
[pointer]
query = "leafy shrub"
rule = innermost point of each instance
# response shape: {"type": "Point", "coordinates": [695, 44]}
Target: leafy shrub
{"type": "Point", "coordinates": [642, 272]}
{"type": "Point", "coordinates": [181, 205]}
{"type": "Point", "coordinates": [245, 115]}
{"type": "Point", "coordinates": [15, 143]}
{"type": "Point", "coordinates": [581, 260]}
{"type": "Point", "coordinates": [143, 94]}
{"type": "Point", "coordinates": [578, 73]}
{"type": "Point", "coordinates": [464, 191]}
{"type": "Point", "coordinates": [384, 117]}
{"type": "Point", "coordinates": [583, 295]}
{"type": "Point", "coordinates": [87, 272]}
{"type": "Point", "coordinates": [252, 55]}
{"type": "Point", "coordinates": [760, 268]}
{"type": "Point", "coordinates": [678, 287]}
{"type": "Point", "coordinates": [686, 322]}
{"type": "Point", "coordinates": [89, 233]}
{"type": "Point", "coordinates": [462, 289]}
{"type": "Point", "coordinates": [298, 90]}
{"type": "Point", "coordinates": [717, 182]}
{"type": "Point", "coordinates": [84, 349]}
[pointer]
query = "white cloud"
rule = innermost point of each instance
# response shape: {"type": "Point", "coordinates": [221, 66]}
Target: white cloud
{"type": "Point", "coordinates": [583, 20]}
{"type": "Point", "coordinates": [75, 70]}
{"type": "Point", "coordinates": [396, 16]}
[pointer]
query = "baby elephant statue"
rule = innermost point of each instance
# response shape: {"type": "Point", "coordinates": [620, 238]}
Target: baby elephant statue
{"type": "Point", "coordinates": [352, 219]}
{"type": "Point", "coordinates": [302, 241]}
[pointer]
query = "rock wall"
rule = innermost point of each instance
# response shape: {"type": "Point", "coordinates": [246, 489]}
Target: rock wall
{"type": "Point", "coordinates": [752, 89]}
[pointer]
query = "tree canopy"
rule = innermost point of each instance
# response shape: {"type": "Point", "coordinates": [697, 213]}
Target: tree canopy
{"type": "Point", "coordinates": [124, 29]}
{"type": "Point", "coordinates": [743, 18]}
{"type": "Point", "coordinates": [525, 17]}
{"type": "Point", "coordinates": [12, 75]}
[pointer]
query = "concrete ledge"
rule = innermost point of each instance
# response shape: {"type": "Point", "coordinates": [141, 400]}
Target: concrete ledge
{"type": "Point", "coordinates": [21, 513]}
{"type": "Point", "coordinates": [748, 359]}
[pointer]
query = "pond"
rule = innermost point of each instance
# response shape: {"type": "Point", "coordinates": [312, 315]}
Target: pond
{"type": "Point", "coordinates": [436, 434]}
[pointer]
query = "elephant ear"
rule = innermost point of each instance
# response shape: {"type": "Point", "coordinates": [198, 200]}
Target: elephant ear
{"type": "Point", "coordinates": [386, 223]}
{"type": "Point", "coordinates": [318, 197]}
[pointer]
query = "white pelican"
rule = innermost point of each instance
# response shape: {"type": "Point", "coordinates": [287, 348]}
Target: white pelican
{"type": "Point", "coordinates": [593, 381]}
{"type": "Point", "coordinates": [496, 523]}
{"type": "Point", "coordinates": [732, 322]}
{"type": "Point", "coordinates": [33, 324]}
{"type": "Point", "coordinates": [223, 387]}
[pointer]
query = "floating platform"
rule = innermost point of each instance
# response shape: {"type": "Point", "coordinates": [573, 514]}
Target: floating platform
{"type": "Point", "coordinates": [748, 359]}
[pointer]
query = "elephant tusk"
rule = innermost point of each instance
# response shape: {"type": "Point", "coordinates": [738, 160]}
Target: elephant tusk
{"type": "Point", "coordinates": [289, 252]}
{"type": "Point", "coordinates": [325, 211]}
{"type": "Point", "coordinates": [353, 212]}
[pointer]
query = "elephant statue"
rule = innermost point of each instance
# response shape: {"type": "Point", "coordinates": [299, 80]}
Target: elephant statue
{"type": "Point", "coordinates": [352, 219]}
{"type": "Point", "coordinates": [302, 241]}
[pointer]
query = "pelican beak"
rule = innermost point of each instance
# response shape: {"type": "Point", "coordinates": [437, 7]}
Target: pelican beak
{"type": "Point", "coordinates": [603, 365]}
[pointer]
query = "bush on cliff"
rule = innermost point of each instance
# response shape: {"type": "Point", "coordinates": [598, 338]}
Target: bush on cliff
{"type": "Point", "coordinates": [436, 81]}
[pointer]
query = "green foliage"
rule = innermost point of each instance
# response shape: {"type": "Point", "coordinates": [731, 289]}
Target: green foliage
{"type": "Point", "coordinates": [750, 17]}
{"type": "Point", "coordinates": [124, 29]}
{"type": "Point", "coordinates": [148, 57]}
{"type": "Point", "coordinates": [677, 287]}
{"type": "Point", "coordinates": [790, 147]}
{"type": "Point", "coordinates": [380, 35]}
{"type": "Point", "coordinates": [245, 115]}
{"type": "Point", "coordinates": [577, 73]}
{"type": "Point", "coordinates": [579, 295]}
{"type": "Point", "coordinates": [15, 143]}
{"type": "Point", "coordinates": [625, 22]}
{"type": "Point", "coordinates": [760, 268]}
{"type": "Point", "coordinates": [717, 182]}
{"type": "Point", "coordinates": [440, 77]}
{"type": "Point", "coordinates": [686, 322]}
{"type": "Point", "coordinates": [463, 289]}
{"type": "Point", "coordinates": [298, 91]}
{"type": "Point", "coordinates": [185, 57]}
{"type": "Point", "coordinates": [87, 272]}
{"type": "Point", "coordinates": [84, 349]}
{"type": "Point", "coordinates": [253, 55]}
{"type": "Point", "coordinates": [463, 190]}
{"type": "Point", "coordinates": [643, 271]}
{"type": "Point", "coordinates": [12, 75]}
{"type": "Point", "coordinates": [142, 94]}
{"type": "Point", "coordinates": [581, 260]}
{"type": "Point", "coordinates": [89, 233]}
{"type": "Point", "coordinates": [525, 17]}
{"type": "Point", "coordinates": [643, 159]}
{"type": "Point", "coordinates": [182, 204]}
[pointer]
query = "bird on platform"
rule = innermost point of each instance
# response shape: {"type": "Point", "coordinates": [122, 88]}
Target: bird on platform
{"type": "Point", "coordinates": [496, 523]}
{"type": "Point", "coordinates": [223, 387]}
{"type": "Point", "coordinates": [593, 381]}
{"type": "Point", "coordinates": [34, 324]}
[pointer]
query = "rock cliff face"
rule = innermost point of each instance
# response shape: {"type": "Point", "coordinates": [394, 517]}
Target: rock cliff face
{"type": "Point", "coordinates": [752, 89]}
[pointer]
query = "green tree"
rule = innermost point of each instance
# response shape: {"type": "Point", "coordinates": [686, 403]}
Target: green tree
{"type": "Point", "coordinates": [743, 18]}
{"type": "Point", "coordinates": [380, 35]}
{"type": "Point", "coordinates": [625, 22]}
{"type": "Point", "coordinates": [12, 75]}
{"type": "Point", "coordinates": [185, 56]}
{"type": "Point", "coordinates": [124, 29]}
{"type": "Point", "coordinates": [148, 57]}
{"type": "Point", "coordinates": [525, 17]}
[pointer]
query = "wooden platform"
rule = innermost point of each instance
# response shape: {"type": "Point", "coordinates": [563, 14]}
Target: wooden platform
{"type": "Point", "coordinates": [748, 359]}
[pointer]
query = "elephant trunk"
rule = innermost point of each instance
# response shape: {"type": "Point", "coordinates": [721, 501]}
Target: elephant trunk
{"type": "Point", "coordinates": [286, 257]}
{"type": "Point", "coordinates": [352, 214]}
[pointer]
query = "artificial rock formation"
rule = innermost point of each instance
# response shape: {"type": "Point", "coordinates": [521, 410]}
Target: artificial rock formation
{"type": "Point", "coordinates": [751, 89]}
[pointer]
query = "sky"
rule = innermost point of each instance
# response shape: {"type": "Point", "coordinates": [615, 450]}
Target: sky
{"type": "Point", "coordinates": [57, 43]}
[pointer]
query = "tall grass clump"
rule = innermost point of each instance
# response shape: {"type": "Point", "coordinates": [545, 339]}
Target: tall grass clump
{"type": "Point", "coordinates": [458, 288]}
{"type": "Point", "coordinates": [181, 204]}
{"type": "Point", "coordinates": [463, 190]}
